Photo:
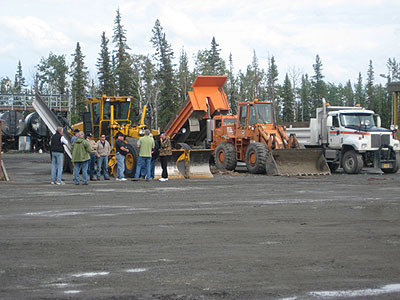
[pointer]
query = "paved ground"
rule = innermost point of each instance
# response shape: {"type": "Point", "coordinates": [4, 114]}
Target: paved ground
{"type": "Point", "coordinates": [232, 237]}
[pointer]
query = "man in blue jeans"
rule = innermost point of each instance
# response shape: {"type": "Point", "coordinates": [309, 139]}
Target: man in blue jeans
{"type": "Point", "coordinates": [57, 153]}
{"type": "Point", "coordinates": [80, 157]}
{"type": "Point", "coordinates": [120, 152]}
{"type": "Point", "coordinates": [146, 146]}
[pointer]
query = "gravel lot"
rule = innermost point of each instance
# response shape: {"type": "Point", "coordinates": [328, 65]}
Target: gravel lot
{"type": "Point", "coordinates": [236, 236]}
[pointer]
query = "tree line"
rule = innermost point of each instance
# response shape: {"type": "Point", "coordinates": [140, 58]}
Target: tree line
{"type": "Point", "coordinates": [154, 80]}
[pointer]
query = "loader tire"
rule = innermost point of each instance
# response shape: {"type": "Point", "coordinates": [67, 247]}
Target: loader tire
{"type": "Point", "coordinates": [131, 159]}
{"type": "Point", "coordinates": [352, 162]}
{"type": "Point", "coordinates": [225, 156]}
{"type": "Point", "coordinates": [395, 168]}
{"type": "Point", "coordinates": [256, 158]}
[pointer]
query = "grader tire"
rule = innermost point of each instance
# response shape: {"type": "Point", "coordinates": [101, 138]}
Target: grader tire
{"type": "Point", "coordinates": [256, 158]}
{"type": "Point", "coordinates": [225, 156]}
{"type": "Point", "coordinates": [131, 160]}
{"type": "Point", "coordinates": [352, 162]}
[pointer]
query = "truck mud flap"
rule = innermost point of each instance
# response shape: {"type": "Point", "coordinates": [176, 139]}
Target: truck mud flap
{"type": "Point", "coordinates": [198, 165]}
{"type": "Point", "coordinates": [297, 162]}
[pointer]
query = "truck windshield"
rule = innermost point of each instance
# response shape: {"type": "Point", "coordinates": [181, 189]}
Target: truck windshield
{"type": "Point", "coordinates": [358, 121]}
{"type": "Point", "coordinates": [264, 113]}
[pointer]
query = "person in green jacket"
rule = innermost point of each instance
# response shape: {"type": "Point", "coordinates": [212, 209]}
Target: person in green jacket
{"type": "Point", "coordinates": [80, 157]}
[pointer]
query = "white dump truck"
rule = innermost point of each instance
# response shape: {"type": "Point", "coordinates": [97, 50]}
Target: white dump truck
{"type": "Point", "coordinates": [352, 138]}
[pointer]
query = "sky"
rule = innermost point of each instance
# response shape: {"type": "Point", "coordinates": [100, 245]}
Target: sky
{"type": "Point", "coordinates": [346, 34]}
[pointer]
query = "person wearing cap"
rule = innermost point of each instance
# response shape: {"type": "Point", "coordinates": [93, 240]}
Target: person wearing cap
{"type": "Point", "coordinates": [92, 162]}
{"type": "Point", "coordinates": [120, 152]}
{"type": "Point", "coordinates": [146, 146]}
{"type": "Point", "coordinates": [75, 136]}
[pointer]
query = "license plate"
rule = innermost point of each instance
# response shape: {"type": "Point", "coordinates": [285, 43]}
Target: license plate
{"type": "Point", "coordinates": [385, 166]}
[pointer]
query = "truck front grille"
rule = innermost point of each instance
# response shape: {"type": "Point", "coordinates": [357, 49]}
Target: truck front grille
{"type": "Point", "coordinates": [378, 140]}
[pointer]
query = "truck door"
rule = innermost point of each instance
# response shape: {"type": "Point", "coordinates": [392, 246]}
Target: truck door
{"type": "Point", "coordinates": [334, 136]}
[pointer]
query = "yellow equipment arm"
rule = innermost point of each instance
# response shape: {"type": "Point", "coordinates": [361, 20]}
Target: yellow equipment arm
{"type": "Point", "coordinates": [141, 123]}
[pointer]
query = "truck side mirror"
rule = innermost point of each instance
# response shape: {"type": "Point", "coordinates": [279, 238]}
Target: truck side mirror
{"type": "Point", "coordinates": [329, 121]}
{"type": "Point", "coordinates": [378, 121]}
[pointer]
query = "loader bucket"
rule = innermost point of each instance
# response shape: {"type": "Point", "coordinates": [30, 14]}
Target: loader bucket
{"type": "Point", "coordinates": [176, 166]}
{"type": "Point", "coordinates": [297, 162]}
{"type": "Point", "coordinates": [199, 164]}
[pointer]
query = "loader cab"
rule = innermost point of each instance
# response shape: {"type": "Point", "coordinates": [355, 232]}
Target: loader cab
{"type": "Point", "coordinates": [256, 112]}
{"type": "Point", "coordinates": [99, 114]}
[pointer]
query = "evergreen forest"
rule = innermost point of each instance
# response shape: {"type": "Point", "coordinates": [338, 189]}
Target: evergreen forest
{"type": "Point", "coordinates": [161, 80]}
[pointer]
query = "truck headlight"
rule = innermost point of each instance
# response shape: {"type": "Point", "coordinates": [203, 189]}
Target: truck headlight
{"type": "Point", "coordinates": [396, 146]}
{"type": "Point", "coordinates": [364, 146]}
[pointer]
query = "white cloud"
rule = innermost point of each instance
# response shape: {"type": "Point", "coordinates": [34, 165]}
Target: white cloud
{"type": "Point", "coordinates": [35, 32]}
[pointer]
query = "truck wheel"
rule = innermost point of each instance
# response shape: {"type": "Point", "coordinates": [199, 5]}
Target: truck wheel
{"type": "Point", "coordinates": [395, 168]}
{"type": "Point", "coordinates": [225, 156]}
{"type": "Point", "coordinates": [256, 158]}
{"type": "Point", "coordinates": [352, 162]}
{"type": "Point", "coordinates": [333, 166]}
{"type": "Point", "coordinates": [131, 159]}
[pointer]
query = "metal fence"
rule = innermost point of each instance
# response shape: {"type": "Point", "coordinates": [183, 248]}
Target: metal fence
{"type": "Point", "coordinates": [24, 102]}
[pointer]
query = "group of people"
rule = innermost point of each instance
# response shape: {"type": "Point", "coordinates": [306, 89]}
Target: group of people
{"type": "Point", "coordinates": [86, 152]}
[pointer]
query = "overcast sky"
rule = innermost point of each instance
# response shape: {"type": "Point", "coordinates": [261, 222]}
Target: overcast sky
{"type": "Point", "coordinates": [345, 33]}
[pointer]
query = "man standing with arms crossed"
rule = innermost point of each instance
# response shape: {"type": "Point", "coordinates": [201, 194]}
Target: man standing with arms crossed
{"type": "Point", "coordinates": [103, 151]}
{"type": "Point", "coordinates": [146, 146]}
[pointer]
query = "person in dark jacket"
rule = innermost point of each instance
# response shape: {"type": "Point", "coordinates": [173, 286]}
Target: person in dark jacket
{"type": "Point", "coordinates": [165, 153]}
{"type": "Point", "coordinates": [154, 156]}
{"type": "Point", "coordinates": [80, 157]}
{"type": "Point", "coordinates": [57, 152]}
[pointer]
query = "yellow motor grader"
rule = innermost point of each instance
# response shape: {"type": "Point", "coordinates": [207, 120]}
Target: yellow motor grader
{"type": "Point", "coordinates": [110, 116]}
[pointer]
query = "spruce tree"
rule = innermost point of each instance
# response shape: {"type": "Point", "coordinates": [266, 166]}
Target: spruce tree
{"type": "Point", "coordinates": [123, 61]}
{"type": "Point", "coordinates": [231, 87]}
{"type": "Point", "coordinates": [209, 62]}
{"type": "Point", "coordinates": [104, 67]}
{"type": "Point", "coordinates": [369, 89]}
{"type": "Point", "coordinates": [164, 55]}
{"type": "Point", "coordinates": [216, 63]}
{"type": "Point", "coordinates": [305, 97]}
{"type": "Point", "coordinates": [273, 87]}
{"type": "Point", "coordinates": [348, 94]}
{"type": "Point", "coordinates": [359, 95]}
{"type": "Point", "coordinates": [79, 83]}
{"type": "Point", "coordinates": [318, 87]}
{"type": "Point", "coordinates": [19, 82]}
{"type": "Point", "coordinates": [288, 100]}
